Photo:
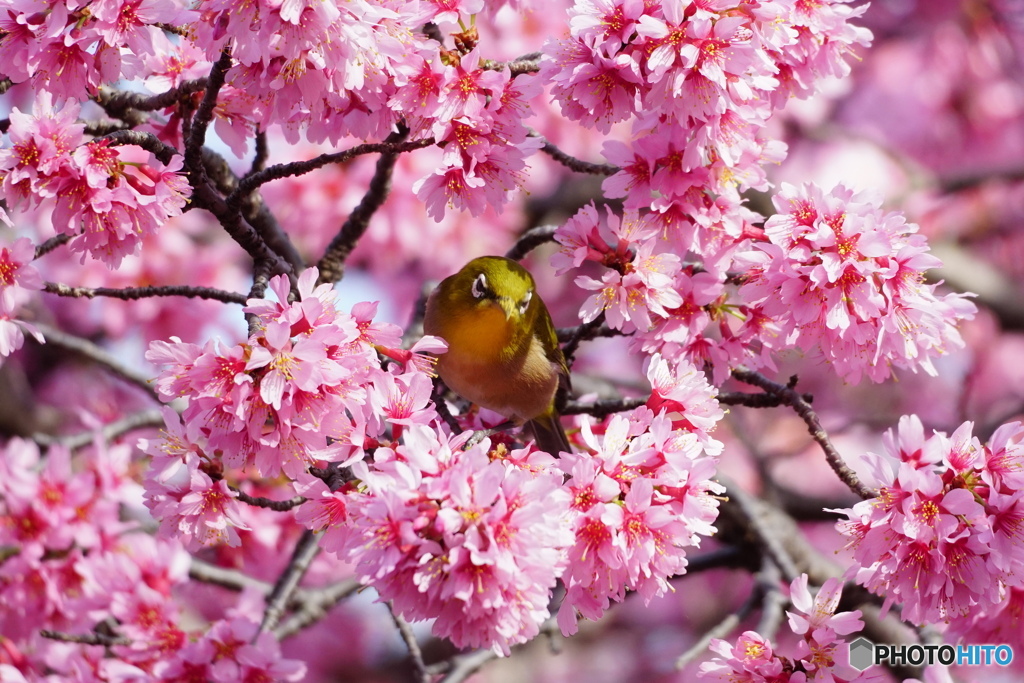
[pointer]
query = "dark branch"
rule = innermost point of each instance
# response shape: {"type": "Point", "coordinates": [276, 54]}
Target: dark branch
{"type": "Point", "coordinates": [530, 240]}
{"type": "Point", "coordinates": [567, 333]}
{"type": "Point", "coordinates": [119, 103]}
{"type": "Point", "coordinates": [203, 116]}
{"type": "Point", "coordinates": [802, 407]}
{"type": "Point", "coordinates": [305, 550]}
{"type": "Point", "coordinates": [85, 638]}
{"type": "Point", "coordinates": [332, 265]}
{"type": "Point", "coordinates": [103, 358]}
{"type": "Point", "coordinates": [580, 334]}
{"type": "Point", "coordinates": [268, 503]}
{"type": "Point", "coordinates": [573, 163]}
{"type": "Point", "coordinates": [739, 398]}
{"type": "Point", "coordinates": [146, 141]}
{"type": "Point", "coordinates": [135, 293]}
{"type": "Point", "coordinates": [51, 244]}
{"type": "Point", "coordinates": [297, 168]}
{"type": "Point", "coordinates": [259, 161]}
{"type": "Point", "coordinates": [602, 408]}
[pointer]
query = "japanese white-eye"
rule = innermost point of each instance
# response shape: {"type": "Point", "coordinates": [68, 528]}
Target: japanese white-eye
{"type": "Point", "coordinates": [503, 351]}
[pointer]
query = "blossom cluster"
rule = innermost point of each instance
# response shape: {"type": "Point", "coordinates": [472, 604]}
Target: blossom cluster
{"type": "Point", "coordinates": [943, 537]}
{"type": "Point", "coordinates": [641, 498]}
{"type": "Point", "coordinates": [70, 49]}
{"type": "Point", "coordinates": [78, 564]}
{"type": "Point", "coordinates": [683, 313]}
{"type": "Point", "coordinates": [475, 536]}
{"type": "Point", "coordinates": [844, 280]}
{"type": "Point", "coordinates": [105, 201]}
{"type": "Point", "coordinates": [335, 69]}
{"type": "Point", "coordinates": [476, 114]}
{"type": "Point", "coordinates": [699, 80]}
{"type": "Point", "coordinates": [307, 387]}
{"type": "Point", "coordinates": [447, 533]}
{"type": "Point", "coordinates": [820, 654]}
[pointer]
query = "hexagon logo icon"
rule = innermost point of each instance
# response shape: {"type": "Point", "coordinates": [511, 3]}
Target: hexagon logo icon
{"type": "Point", "coordinates": [862, 654]}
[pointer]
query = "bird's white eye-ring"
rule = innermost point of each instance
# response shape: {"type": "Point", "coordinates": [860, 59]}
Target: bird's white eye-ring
{"type": "Point", "coordinates": [479, 286]}
{"type": "Point", "coordinates": [525, 303]}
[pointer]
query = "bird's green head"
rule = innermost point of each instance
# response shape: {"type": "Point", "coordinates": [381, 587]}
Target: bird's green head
{"type": "Point", "coordinates": [488, 283]}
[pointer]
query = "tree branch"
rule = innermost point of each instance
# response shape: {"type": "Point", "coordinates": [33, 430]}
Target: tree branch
{"type": "Point", "coordinates": [305, 550]}
{"type": "Point", "coordinates": [51, 244]}
{"type": "Point", "coordinates": [530, 240]}
{"type": "Point", "coordinates": [119, 103]}
{"type": "Point", "coordinates": [87, 349]}
{"type": "Point", "coordinates": [134, 293]}
{"type": "Point", "coordinates": [314, 605]}
{"type": "Point", "coordinates": [332, 264]}
{"type": "Point", "coordinates": [571, 162]}
{"type": "Point", "coordinates": [802, 407]}
{"type": "Point", "coordinates": [146, 141]}
{"type": "Point", "coordinates": [415, 654]}
{"type": "Point", "coordinates": [602, 408]}
{"type": "Point", "coordinates": [108, 433]}
{"type": "Point", "coordinates": [268, 503]}
{"type": "Point", "coordinates": [297, 168]}
{"type": "Point", "coordinates": [84, 638]}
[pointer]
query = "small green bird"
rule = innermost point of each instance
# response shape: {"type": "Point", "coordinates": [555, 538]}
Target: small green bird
{"type": "Point", "coordinates": [503, 351]}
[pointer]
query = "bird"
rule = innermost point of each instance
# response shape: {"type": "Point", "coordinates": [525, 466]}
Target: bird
{"type": "Point", "coordinates": [503, 351]}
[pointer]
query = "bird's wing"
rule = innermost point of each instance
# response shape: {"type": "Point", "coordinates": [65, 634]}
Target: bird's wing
{"type": "Point", "coordinates": [549, 338]}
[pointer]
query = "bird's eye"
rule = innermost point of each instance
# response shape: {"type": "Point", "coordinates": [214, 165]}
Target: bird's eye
{"type": "Point", "coordinates": [480, 286]}
{"type": "Point", "coordinates": [525, 303]}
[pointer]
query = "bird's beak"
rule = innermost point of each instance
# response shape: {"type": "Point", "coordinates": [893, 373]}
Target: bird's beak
{"type": "Point", "coordinates": [508, 306]}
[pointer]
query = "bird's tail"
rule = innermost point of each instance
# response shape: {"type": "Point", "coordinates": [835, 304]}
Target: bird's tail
{"type": "Point", "coordinates": [549, 435]}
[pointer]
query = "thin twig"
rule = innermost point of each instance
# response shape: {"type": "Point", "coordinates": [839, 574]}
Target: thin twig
{"type": "Point", "coordinates": [226, 578]}
{"type": "Point", "coordinates": [464, 666]}
{"type": "Point", "coordinates": [527, 64]}
{"type": "Point", "coordinates": [802, 407]}
{"type": "Point", "coordinates": [571, 162]}
{"type": "Point", "coordinates": [581, 333]}
{"type": "Point", "coordinates": [108, 433]}
{"type": "Point", "coordinates": [297, 168]}
{"type": "Point", "coordinates": [314, 605]}
{"type": "Point", "coordinates": [105, 359]}
{"type": "Point", "coordinates": [305, 550]}
{"type": "Point", "coordinates": [135, 293]}
{"type": "Point", "coordinates": [409, 638]}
